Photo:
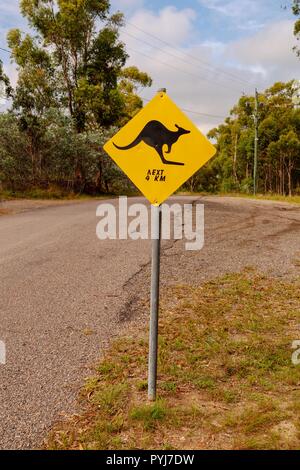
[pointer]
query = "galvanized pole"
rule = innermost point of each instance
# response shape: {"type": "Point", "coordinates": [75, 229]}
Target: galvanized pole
{"type": "Point", "coordinates": [154, 304]}
{"type": "Point", "coordinates": [255, 143]}
{"type": "Point", "coordinates": [154, 301]}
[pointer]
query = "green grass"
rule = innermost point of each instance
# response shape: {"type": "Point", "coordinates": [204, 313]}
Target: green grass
{"type": "Point", "coordinates": [268, 196]}
{"type": "Point", "coordinates": [150, 414]}
{"type": "Point", "coordinates": [53, 192]}
{"type": "Point", "coordinates": [110, 398]}
{"type": "Point", "coordinates": [225, 372]}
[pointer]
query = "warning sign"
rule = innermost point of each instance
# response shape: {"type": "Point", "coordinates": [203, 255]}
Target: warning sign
{"type": "Point", "coordinates": [159, 149]}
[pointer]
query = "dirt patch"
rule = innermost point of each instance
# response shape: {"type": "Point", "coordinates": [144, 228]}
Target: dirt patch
{"type": "Point", "coordinates": [23, 205]}
{"type": "Point", "coordinates": [5, 211]}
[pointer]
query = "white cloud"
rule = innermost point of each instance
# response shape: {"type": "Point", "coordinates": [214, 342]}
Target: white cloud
{"type": "Point", "coordinates": [188, 80]}
{"type": "Point", "coordinates": [270, 50]}
{"type": "Point", "coordinates": [247, 15]}
{"type": "Point", "coordinates": [232, 8]}
{"type": "Point", "coordinates": [126, 5]}
{"type": "Point", "coordinates": [260, 59]}
{"type": "Point", "coordinates": [170, 67]}
{"type": "Point", "coordinates": [171, 24]}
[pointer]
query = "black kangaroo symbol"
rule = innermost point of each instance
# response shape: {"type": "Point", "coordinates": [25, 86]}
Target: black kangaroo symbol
{"type": "Point", "coordinates": [156, 135]}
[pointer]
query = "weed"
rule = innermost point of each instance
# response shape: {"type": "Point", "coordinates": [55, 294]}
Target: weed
{"type": "Point", "coordinates": [110, 397]}
{"type": "Point", "coordinates": [149, 414]}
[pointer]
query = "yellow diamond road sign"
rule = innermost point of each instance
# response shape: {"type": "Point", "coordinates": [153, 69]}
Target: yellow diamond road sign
{"type": "Point", "coordinates": [159, 149]}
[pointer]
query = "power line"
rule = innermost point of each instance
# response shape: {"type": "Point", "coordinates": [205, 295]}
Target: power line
{"type": "Point", "coordinates": [194, 112]}
{"type": "Point", "coordinates": [180, 70]}
{"type": "Point", "coordinates": [166, 64]}
{"type": "Point", "coordinates": [168, 53]}
{"type": "Point", "coordinates": [5, 50]}
{"type": "Point", "coordinates": [216, 116]}
{"type": "Point", "coordinates": [206, 64]}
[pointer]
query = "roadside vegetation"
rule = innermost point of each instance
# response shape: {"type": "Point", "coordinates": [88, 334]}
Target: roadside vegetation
{"type": "Point", "coordinates": [74, 91]}
{"type": "Point", "coordinates": [226, 378]}
{"type": "Point", "coordinates": [266, 197]}
{"type": "Point", "coordinates": [260, 197]}
{"type": "Point", "coordinates": [279, 146]}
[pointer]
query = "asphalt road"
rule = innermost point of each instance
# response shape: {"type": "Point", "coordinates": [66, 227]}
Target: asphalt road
{"type": "Point", "coordinates": [65, 294]}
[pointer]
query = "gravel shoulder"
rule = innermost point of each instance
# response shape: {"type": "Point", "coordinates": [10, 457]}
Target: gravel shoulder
{"type": "Point", "coordinates": [17, 206]}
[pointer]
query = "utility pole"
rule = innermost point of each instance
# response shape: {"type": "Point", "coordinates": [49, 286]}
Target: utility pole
{"type": "Point", "coordinates": [255, 117]}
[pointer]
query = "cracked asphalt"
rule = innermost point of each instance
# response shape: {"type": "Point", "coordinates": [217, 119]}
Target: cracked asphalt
{"type": "Point", "coordinates": [65, 294]}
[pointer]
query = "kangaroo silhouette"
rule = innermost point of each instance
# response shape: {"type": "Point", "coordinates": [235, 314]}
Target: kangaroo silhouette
{"type": "Point", "coordinates": [156, 135]}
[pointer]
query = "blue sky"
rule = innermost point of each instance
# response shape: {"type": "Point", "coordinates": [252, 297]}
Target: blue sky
{"type": "Point", "coordinates": [218, 19]}
{"type": "Point", "coordinates": [221, 48]}
{"type": "Point", "coordinates": [221, 19]}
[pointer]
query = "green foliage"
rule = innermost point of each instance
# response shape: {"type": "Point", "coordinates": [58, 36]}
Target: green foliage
{"type": "Point", "coordinates": [73, 92]}
{"type": "Point", "coordinates": [75, 60]}
{"type": "Point", "coordinates": [14, 169]}
{"type": "Point", "coordinates": [76, 162]}
{"type": "Point", "coordinates": [149, 415]}
{"type": "Point", "coordinates": [279, 140]}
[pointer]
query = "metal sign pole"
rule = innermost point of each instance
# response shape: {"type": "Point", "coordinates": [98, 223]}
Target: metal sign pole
{"type": "Point", "coordinates": [160, 125]}
{"type": "Point", "coordinates": [154, 304]}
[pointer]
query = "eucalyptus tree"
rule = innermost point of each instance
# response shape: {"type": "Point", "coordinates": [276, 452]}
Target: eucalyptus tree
{"type": "Point", "coordinates": [72, 64]}
{"type": "Point", "coordinates": [279, 138]}
{"type": "Point", "coordinates": [77, 59]}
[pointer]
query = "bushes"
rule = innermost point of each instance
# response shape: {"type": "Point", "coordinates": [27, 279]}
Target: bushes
{"type": "Point", "coordinates": [246, 185]}
{"type": "Point", "coordinates": [228, 185]}
{"type": "Point", "coordinates": [56, 156]}
{"type": "Point", "coordinates": [15, 166]}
